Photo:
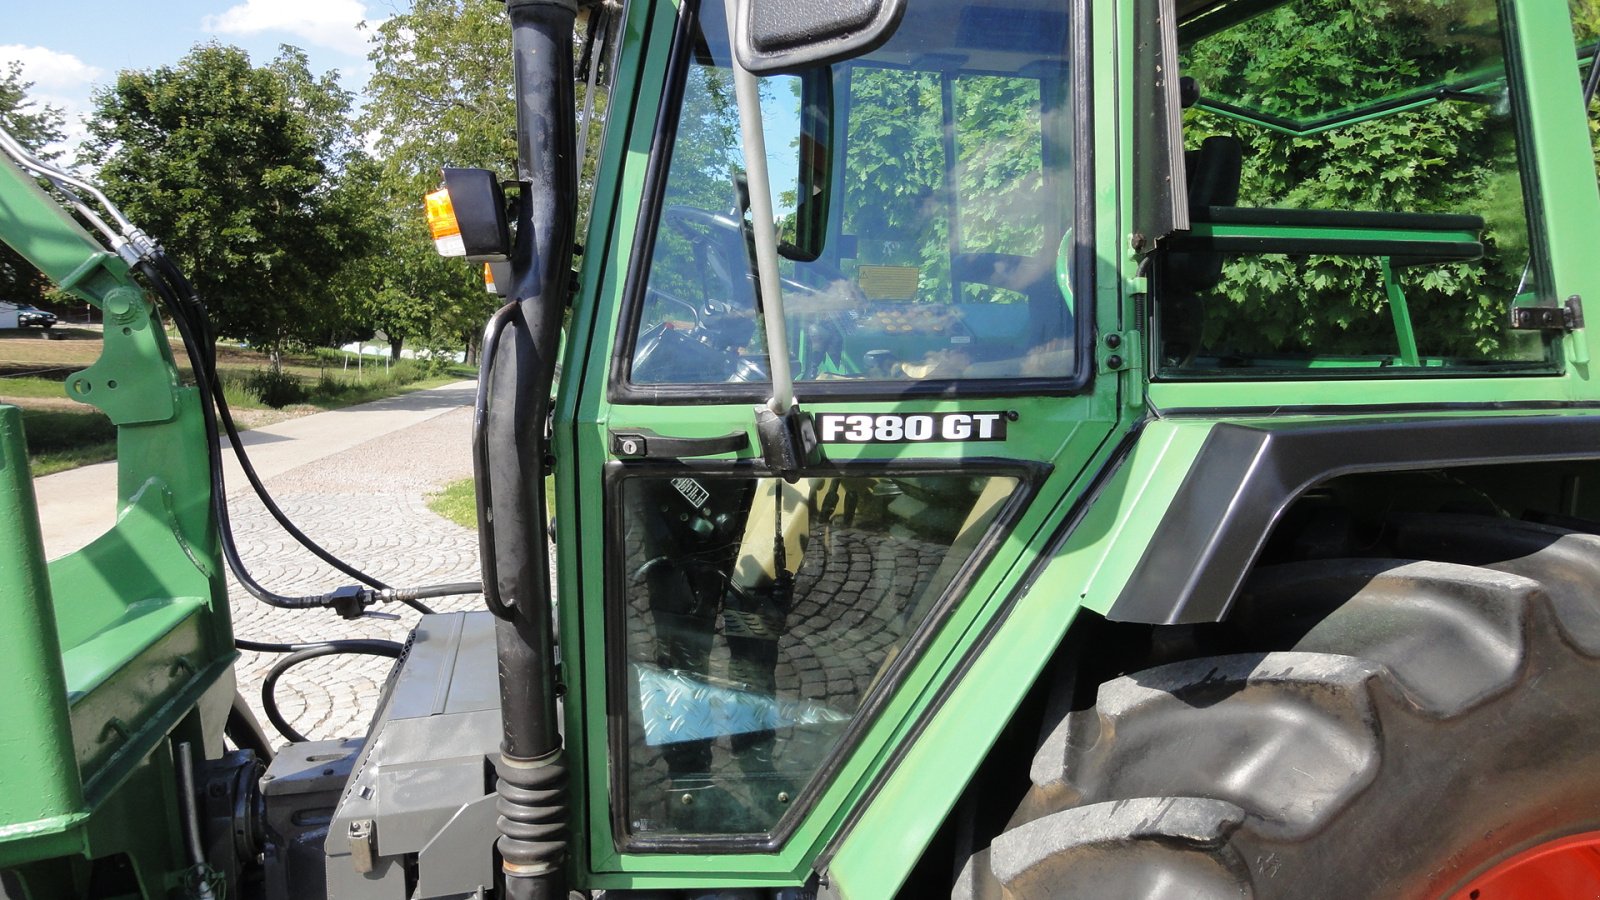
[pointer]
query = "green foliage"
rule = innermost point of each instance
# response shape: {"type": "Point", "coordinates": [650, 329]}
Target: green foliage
{"type": "Point", "coordinates": [896, 196]}
{"type": "Point", "coordinates": [36, 127]}
{"type": "Point", "coordinates": [275, 387]}
{"type": "Point", "coordinates": [278, 388]}
{"type": "Point", "coordinates": [233, 168]}
{"type": "Point", "coordinates": [440, 93]}
{"type": "Point", "coordinates": [1314, 57]}
{"type": "Point", "coordinates": [439, 96]}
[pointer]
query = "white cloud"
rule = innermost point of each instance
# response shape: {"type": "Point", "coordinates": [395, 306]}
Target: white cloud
{"type": "Point", "coordinates": [59, 79]}
{"type": "Point", "coordinates": [323, 23]}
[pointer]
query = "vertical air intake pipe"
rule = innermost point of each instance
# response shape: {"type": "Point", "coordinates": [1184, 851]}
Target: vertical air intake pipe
{"type": "Point", "coordinates": [515, 408]}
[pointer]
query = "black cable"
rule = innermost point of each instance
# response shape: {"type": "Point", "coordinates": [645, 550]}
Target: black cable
{"type": "Point", "coordinates": [196, 308]}
{"type": "Point", "coordinates": [189, 315]}
{"type": "Point", "coordinates": [269, 700]}
{"type": "Point", "coordinates": [203, 379]}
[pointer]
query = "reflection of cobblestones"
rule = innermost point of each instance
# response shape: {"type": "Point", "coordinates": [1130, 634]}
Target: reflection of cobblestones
{"type": "Point", "coordinates": [367, 505]}
{"type": "Point", "coordinates": [860, 589]}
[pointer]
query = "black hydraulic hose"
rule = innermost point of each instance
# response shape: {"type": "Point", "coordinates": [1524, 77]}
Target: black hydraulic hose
{"type": "Point", "coordinates": [305, 652]}
{"type": "Point", "coordinates": [189, 315]}
{"type": "Point", "coordinates": [196, 309]}
{"type": "Point", "coordinates": [203, 379]}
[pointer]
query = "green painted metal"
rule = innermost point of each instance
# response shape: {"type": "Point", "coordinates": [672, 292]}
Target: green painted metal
{"type": "Point", "coordinates": [1331, 234]}
{"type": "Point", "coordinates": [37, 738]}
{"type": "Point", "coordinates": [1404, 334]}
{"type": "Point", "coordinates": [125, 644]}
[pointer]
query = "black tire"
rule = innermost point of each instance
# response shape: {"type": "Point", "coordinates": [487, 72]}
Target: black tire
{"type": "Point", "coordinates": [1401, 727]}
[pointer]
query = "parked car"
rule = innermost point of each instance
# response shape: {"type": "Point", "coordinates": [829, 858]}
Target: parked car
{"type": "Point", "coordinates": [21, 315]}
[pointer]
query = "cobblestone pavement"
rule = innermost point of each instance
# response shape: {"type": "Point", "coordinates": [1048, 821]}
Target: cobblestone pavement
{"type": "Point", "coordinates": [367, 505]}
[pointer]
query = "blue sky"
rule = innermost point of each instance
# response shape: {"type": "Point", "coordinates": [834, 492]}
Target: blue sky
{"type": "Point", "coordinates": [70, 48]}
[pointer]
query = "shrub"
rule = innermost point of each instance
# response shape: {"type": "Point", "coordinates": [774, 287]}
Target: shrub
{"type": "Point", "coordinates": [51, 431]}
{"type": "Point", "coordinates": [329, 387]}
{"type": "Point", "coordinates": [276, 388]}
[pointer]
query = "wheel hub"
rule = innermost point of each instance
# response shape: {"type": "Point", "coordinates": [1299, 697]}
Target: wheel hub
{"type": "Point", "coordinates": [1566, 867]}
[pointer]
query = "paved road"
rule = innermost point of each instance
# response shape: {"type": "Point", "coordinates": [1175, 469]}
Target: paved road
{"type": "Point", "coordinates": [356, 480]}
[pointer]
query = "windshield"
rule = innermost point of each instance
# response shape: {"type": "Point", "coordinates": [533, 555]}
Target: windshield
{"type": "Point", "coordinates": [922, 196]}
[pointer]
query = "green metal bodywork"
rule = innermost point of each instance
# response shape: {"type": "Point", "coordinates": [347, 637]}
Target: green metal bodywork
{"type": "Point", "coordinates": [124, 646]}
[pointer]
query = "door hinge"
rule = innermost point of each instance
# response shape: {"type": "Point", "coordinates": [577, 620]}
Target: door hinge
{"type": "Point", "coordinates": [1566, 317]}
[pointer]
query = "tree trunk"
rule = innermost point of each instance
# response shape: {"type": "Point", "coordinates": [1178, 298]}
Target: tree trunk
{"type": "Point", "coordinates": [394, 348]}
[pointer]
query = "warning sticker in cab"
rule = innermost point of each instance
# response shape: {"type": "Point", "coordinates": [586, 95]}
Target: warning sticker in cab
{"type": "Point", "coordinates": [911, 428]}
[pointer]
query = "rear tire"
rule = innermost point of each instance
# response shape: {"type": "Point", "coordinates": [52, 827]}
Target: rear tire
{"type": "Point", "coordinates": [1397, 728]}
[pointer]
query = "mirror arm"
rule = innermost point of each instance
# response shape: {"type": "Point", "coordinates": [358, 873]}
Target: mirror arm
{"type": "Point", "coordinates": [765, 229]}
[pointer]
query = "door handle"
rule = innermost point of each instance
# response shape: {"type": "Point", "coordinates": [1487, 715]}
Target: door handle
{"type": "Point", "coordinates": [641, 444]}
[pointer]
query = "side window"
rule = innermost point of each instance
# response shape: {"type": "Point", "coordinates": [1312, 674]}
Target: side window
{"type": "Point", "coordinates": [758, 617]}
{"type": "Point", "coordinates": [1357, 200]}
{"type": "Point", "coordinates": [1586, 34]}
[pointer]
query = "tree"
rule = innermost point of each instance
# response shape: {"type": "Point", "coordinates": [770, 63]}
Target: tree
{"type": "Point", "coordinates": [440, 95]}
{"type": "Point", "coordinates": [37, 127]}
{"type": "Point", "coordinates": [226, 164]}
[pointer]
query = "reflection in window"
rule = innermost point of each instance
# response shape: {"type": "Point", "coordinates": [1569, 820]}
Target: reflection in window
{"type": "Point", "coordinates": [1357, 205]}
{"type": "Point", "coordinates": [922, 193]}
{"type": "Point", "coordinates": [757, 618]}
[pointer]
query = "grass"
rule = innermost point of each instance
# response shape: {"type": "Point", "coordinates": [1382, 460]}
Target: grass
{"type": "Point", "coordinates": [65, 439]}
{"type": "Point", "coordinates": [457, 502]}
{"type": "Point", "coordinates": [32, 387]}
{"type": "Point", "coordinates": [63, 434]}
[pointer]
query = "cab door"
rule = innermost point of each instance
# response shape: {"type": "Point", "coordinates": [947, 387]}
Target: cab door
{"type": "Point", "coordinates": [751, 647]}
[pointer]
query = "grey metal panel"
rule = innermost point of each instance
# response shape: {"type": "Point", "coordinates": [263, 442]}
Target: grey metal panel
{"type": "Point", "coordinates": [462, 853]}
{"type": "Point", "coordinates": [387, 880]}
{"type": "Point", "coordinates": [426, 760]}
{"type": "Point", "coordinates": [451, 668]}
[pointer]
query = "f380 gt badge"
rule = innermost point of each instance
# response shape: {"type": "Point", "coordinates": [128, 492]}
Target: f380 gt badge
{"type": "Point", "coordinates": [912, 428]}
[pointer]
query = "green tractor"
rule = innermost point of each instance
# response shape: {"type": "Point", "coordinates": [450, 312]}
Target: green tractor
{"type": "Point", "coordinates": [1181, 479]}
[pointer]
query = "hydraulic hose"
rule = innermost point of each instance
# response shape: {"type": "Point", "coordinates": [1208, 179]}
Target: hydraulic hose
{"type": "Point", "coordinates": [302, 653]}
{"type": "Point", "coordinates": [189, 316]}
{"type": "Point", "coordinates": [195, 308]}
{"type": "Point", "coordinates": [483, 477]}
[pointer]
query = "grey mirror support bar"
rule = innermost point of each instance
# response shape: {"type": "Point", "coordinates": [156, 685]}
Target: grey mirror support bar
{"type": "Point", "coordinates": [766, 230]}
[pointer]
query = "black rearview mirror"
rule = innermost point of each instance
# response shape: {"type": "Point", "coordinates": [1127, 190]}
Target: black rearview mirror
{"type": "Point", "coordinates": [772, 36]}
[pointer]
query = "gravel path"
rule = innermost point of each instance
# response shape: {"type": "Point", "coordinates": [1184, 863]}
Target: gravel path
{"type": "Point", "coordinates": [367, 505]}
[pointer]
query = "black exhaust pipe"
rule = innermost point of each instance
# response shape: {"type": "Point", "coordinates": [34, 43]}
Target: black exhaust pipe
{"type": "Point", "coordinates": [518, 374]}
